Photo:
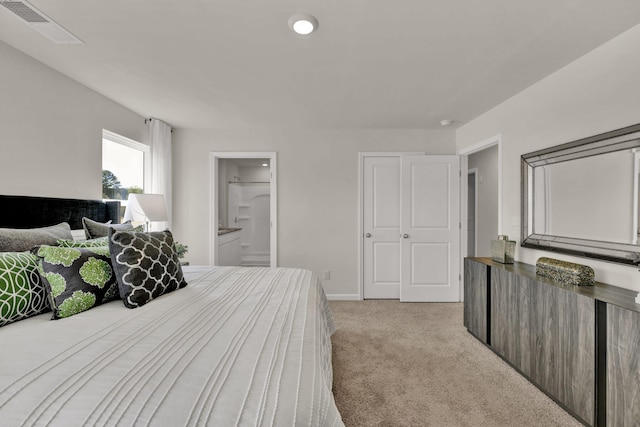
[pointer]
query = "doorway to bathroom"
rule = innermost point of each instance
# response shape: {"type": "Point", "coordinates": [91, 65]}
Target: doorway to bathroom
{"type": "Point", "coordinates": [243, 209]}
{"type": "Point", "coordinates": [482, 196]}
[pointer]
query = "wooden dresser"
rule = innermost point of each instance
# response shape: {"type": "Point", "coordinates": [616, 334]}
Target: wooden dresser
{"type": "Point", "coordinates": [578, 344]}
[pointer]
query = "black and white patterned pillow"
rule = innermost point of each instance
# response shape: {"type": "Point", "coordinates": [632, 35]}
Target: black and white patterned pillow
{"type": "Point", "coordinates": [146, 265]}
{"type": "Point", "coordinates": [76, 279]}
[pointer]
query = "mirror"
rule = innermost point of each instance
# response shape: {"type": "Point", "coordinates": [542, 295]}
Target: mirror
{"type": "Point", "coordinates": [582, 197]}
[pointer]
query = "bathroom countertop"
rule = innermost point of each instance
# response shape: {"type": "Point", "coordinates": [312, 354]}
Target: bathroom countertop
{"type": "Point", "coordinates": [226, 230]}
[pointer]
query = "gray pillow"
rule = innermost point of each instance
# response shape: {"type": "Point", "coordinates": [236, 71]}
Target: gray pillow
{"type": "Point", "coordinates": [94, 229]}
{"type": "Point", "coordinates": [20, 240]}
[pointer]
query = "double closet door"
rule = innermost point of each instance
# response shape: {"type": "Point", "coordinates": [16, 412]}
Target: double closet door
{"type": "Point", "coordinates": [411, 227]}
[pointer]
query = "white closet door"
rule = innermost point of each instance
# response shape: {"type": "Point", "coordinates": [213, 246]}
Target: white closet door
{"type": "Point", "coordinates": [381, 220]}
{"type": "Point", "coordinates": [430, 218]}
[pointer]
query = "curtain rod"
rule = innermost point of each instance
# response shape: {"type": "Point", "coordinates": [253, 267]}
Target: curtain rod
{"type": "Point", "coordinates": [146, 121]}
{"type": "Point", "coordinates": [249, 182]}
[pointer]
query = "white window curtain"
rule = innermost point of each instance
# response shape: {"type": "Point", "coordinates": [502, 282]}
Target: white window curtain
{"type": "Point", "coordinates": [160, 142]}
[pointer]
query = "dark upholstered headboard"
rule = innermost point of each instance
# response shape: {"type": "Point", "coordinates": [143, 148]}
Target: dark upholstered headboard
{"type": "Point", "coordinates": [33, 212]}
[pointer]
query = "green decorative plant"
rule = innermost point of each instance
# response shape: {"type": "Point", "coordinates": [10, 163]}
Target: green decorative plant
{"type": "Point", "coordinates": [181, 249]}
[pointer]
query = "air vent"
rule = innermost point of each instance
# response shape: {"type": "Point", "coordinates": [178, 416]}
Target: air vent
{"type": "Point", "coordinates": [40, 22]}
{"type": "Point", "coordinates": [24, 11]}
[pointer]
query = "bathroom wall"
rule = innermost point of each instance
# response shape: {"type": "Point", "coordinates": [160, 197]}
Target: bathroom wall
{"type": "Point", "coordinates": [255, 173]}
{"type": "Point", "coordinates": [227, 171]}
{"type": "Point", "coordinates": [234, 170]}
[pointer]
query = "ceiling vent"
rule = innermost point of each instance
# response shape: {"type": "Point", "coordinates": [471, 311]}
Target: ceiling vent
{"type": "Point", "coordinates": [40, 22]}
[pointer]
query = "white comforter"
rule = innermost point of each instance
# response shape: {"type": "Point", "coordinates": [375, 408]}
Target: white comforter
{"type": "Point", "coordinates": [237, 346]}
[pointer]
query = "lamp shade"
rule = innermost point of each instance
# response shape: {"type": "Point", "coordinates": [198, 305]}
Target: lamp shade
{"type": "Point", "coordinates": [145, 207]}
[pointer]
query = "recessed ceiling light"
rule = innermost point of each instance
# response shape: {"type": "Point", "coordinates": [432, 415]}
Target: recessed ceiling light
{"type": "Point", "coordinates": [446, 122]}
{"type": "Point", "coordinates": [265, 164]}
{"type": "Point", "coordinates": [303, 24]}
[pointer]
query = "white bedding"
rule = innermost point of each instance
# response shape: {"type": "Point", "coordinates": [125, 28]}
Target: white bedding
{"type": "Point", "coordinates": [237, 346]}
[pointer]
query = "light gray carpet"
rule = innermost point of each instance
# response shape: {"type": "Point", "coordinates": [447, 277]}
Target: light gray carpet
{"type": "Point", "coordinates": [412, 364]}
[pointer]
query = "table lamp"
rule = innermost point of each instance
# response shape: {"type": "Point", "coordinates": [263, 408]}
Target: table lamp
{"type": "Point", "coordinates": [145, 208]}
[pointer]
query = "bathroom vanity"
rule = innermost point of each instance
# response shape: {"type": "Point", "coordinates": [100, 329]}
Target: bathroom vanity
{"type": "Point", "coordinates": [229, 246]}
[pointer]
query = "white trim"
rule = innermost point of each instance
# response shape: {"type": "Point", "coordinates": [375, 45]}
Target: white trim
{"type": "Point", "coordinates": [343, 297]}
{"type": "Point", "coordinates": [360, 233]}
{"type": "Point", "coordinates": [473, 171]}
{"type": "Point", "coordinates": [464, 223]}
{"type": "Point", "coordinates": [114, 137]}
{"type": "Point", "coordinates": [213, 197]}
{"type": "Point", "coordinates": [146, 150]}
{"type": "Point", "coordinates": [636, 171]}
{"type": "Point", "coordinates": [482, 145]}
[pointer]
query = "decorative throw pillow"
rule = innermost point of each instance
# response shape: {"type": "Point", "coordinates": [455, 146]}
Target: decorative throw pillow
{"type": "Point", "coordinates": [20, 240]}
{"type": "Point", "coordinates": [146, 265]}
{"type": "Point", "coordinates": [76, 279]}
{"type": "Point", "coordinates": [93, 229]}
{"type": "Point", "coordinates": [78, 234]}
{"type": "Point", "coordinates": [22, 293]}
{"type": "Point", "coordinates": [91, 243]}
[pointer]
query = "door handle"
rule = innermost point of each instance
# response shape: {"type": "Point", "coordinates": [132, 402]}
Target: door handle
{"type": "Point", "coordinates": [406, 236]}
{"type": "Point", "coordinates": [367, 235]}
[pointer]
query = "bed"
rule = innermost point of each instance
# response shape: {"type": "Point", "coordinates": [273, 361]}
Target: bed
{"type": "Point", "coordinates": [237, 346]}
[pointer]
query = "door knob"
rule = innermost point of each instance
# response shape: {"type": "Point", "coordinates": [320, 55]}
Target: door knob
{"type": "Point", "coordinates": [406, 236]}
{"type": "Point", "coordinates": [367, 235]}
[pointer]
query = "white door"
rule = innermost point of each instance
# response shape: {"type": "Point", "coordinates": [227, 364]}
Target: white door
{"type": "Point", "coordinates": [430, 244]}
{"type": "Point", "coordinates": [381, 226]}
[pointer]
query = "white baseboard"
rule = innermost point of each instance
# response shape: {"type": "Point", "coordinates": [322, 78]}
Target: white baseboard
{"type": "Point", "coordinates": [343, 297]}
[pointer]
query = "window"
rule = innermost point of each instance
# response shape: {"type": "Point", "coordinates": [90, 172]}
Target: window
{"type": "Point", "coordinates": [125, 167]}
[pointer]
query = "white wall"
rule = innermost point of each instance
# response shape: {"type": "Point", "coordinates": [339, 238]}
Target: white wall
{"type": "Point", "coordinates": [486, 161]}
{"type": "Point", "coordinates": [317, 190]}
{"type": "Point", "coordinates": [595, 94]}
{"type": "Point", "coordinates": [51, 130]}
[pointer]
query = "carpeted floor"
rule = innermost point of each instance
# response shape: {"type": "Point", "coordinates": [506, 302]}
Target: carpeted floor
{"type": "Point", "coordinates": [413, 364]}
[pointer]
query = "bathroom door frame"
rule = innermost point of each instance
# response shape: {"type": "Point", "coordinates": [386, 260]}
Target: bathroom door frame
{"type": "Point", "coordinates": [214, 194]}
{"type": "Point", "coordinates": [464, 155]}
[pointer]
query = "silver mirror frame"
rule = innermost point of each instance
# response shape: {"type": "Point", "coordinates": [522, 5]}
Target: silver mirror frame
{"type": "Point", "coordinates": [621, 139]}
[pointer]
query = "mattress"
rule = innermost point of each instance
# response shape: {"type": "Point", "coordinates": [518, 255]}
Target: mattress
{"type": "Point", "coordinates": [237, 346]}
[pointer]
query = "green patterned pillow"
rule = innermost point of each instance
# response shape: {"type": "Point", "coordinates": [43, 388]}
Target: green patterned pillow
{"type": "Point", "coordinates": [77, 279]}
{"type": "Point", "coordinates": [22, 294]}
{"type": "Point", "coordinates": [91, 243]}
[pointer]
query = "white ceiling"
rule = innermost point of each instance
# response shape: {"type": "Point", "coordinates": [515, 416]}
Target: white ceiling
{"type": "Point", "coordinates": [396, 64]}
